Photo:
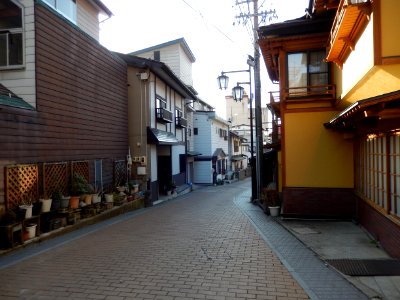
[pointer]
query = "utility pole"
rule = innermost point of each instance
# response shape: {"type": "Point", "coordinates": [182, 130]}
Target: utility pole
{"type": "Point", "coordinates": [257, 101]}
{"type": "Point", "coordinates": [257, 88]}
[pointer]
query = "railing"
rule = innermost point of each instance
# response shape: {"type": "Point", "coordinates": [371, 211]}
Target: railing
{"type": "Point", "coordinates": [306, 93]}
{"type": "Point", "coordinates": [315, 92]}
{"type": "Point", "coordinates": [164, 115]}
{"type": "Point", "coordinates": [181, 122]}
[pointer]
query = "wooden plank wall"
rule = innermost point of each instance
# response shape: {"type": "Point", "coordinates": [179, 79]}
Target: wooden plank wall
{"type": "Point", "coordinates": [81, 101]}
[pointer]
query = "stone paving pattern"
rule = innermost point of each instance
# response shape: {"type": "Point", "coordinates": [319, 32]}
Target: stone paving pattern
{"type": "Point", "coordinates": [199, 246]}
{"type": "Point", "coordinates": [316, 277]}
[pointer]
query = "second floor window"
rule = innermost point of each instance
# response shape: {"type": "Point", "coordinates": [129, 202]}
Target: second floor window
{"type": "Point", "coordinates": [178, 113]}
{"type": "Point", "coordinates": [11, 38]}
{"type": "Point", "coordinates": [161, 103]}
{"type": "Point", "coordinates": [65, 7]}
{"type": "Point", "coordinates": [307, 69]}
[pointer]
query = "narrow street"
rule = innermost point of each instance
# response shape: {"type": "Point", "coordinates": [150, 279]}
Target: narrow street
{"type": "Point", "coordinates": [198, 246]}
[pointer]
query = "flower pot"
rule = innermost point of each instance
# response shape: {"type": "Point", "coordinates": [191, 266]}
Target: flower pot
{"type": "Point", "coordinates": [74, 202]}
{"type": "Point", "coordinates": [65, 202]}
{"type": "Point", "coordinates": [274, 210]}
{"type": "Point", "coordinates": [46, 205]}
{"type": "Point", "coordinates": [135, 188]}
{"type": "Point", "coordinates": [96, 198]}
{"type": "Point", "coordinates": [28, 210]}
{"type": "Point", "coordinates": [56, 204]}
{"type": "Point", "coordinates": [31, 229]}
{"type": "Point", "coordinates": [109, 198]}
{"type": "Point", "coordinates": [87, 199]}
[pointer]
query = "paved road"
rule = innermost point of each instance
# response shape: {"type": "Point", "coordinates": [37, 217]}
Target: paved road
{"type": "Point", "coordinates": [199, 246]}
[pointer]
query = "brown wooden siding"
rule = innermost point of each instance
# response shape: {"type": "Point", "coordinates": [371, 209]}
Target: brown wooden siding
{"type": "Point", "coordinates": [81, 91]}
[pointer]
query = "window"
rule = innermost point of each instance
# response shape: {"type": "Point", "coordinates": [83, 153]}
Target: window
{"type": "Point", "coordinates": [307, 69]}
{"type": "Point", "coordinates": [178, 113]}
{"type": "Point", "coordinates": [161, 103]}
{"type": "Point", "coordinates": [236, 146]}
{"type": "Point", "coordinates": [378, 171]}
{"type": "Point", "coordinates": [195, 131]}
{"type": "Point", "coordinates": [65, 7]}
{"type": "Point", "coordinates": [223, 133]}
{"type": "Point", "coordinates": [11, 38]}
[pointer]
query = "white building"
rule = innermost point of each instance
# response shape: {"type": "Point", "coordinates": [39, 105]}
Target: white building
{"type": "Point", "coordinates": [211, 140]}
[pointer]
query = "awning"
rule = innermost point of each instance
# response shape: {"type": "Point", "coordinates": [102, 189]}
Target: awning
{"type": "Point", "coordinates": [8, 98]}
{"type": "Point", "coordinates": [160, 137]}
{"type": "Point", "coordinates": [219, 153]}
{"type": "Point", "coordinates": [193, 153]}
{"type": "Point", "coordinates": [238, 157]}
{"type": "Point", "coordinates": [386, 106]}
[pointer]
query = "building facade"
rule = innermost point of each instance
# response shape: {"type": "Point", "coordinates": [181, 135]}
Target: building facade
{"type": "Point", "coordinates": [157, 124]}
{"type": "Point", "coordinates": [337, 112]}
{"type": "Point", "coordinates": [59, 105]}
{"type": "Point", "coordinates": [211, 141]}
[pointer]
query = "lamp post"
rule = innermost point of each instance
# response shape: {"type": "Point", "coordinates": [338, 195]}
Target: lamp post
{"type": "Point", "coordinates": [237, 94]}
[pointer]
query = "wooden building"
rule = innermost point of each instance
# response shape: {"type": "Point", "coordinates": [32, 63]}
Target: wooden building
{"type": "Point", "coordinates": [337, 113]}
{"type": "Point", "coordinates": [63, 97]}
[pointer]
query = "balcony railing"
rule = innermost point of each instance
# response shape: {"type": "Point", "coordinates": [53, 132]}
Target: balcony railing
{"type": "Point", "coordinates": [181, 122]}
{"type": "Point", "coordinates": [325, 92]}
{"type": "Point", "coordinates": [164, 115]}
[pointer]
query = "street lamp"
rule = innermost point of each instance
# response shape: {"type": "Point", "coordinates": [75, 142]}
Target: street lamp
{"type": "Point", "coordinates": [237, 94]}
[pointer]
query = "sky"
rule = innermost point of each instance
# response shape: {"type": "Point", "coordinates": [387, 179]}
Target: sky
{"type": "Point", "coordinates": [219, 39]}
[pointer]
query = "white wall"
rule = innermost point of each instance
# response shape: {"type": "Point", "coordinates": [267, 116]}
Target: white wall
{"type": "Point", "coordinates": [176, 151]}
{"type": "Point", "coordinates": [153, 157]}
{"type": "Point", "coordinates": [202, 172]}
{"type": "Point", "coordinates": [360, 61]}
{"type": "Point", "coordinates": [216, 140]}
{"type": "Point", "coordinates": [202, 141]}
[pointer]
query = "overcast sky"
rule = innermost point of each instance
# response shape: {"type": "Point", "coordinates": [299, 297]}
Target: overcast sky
{"type": "Point", "coordinates": [219, 40]}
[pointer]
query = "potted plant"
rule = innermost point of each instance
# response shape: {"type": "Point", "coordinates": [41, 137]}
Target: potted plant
{"type": "Point", "coordinates": [26, 208]}
{"type": "Point", "coordinates": [56, 196]}
{"type": "Point", "coordinates": [46, 203]}
{"type": "Point", "coordinates": [79, 187]}
{"type": "Point", "coordinates": [96, 194]}
{"type": "Point", "coordinates": [108, 195]}
{"type": "Point", "coordinates": [270, 199]}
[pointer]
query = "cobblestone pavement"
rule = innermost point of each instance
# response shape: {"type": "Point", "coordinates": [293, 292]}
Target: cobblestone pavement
{"type": "Point", "coordinates": [198, 246]}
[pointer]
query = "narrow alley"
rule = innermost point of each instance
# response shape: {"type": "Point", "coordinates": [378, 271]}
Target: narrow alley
{"type": "Point", "coordinates": [202, 245]}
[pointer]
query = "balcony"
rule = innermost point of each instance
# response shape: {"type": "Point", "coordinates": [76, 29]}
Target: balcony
{"type": "Point", "coordinates": [315, 94]}
{"type": "Point", "coordinates": [164, 115]}
{"type": "Point", "coordinates": [351, 18]}
{"type": "Point", "coordinates": [181, 122]}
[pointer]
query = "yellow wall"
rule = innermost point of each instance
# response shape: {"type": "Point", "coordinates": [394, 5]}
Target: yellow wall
{"type": "Point", "coordinates": [380, 80]}
{"type": "Point", "coordinates": [390, 24]}
{"type": "Point", "coordinates": [315, 156]}
{"type": "Point", "coordinates": [360, 61]}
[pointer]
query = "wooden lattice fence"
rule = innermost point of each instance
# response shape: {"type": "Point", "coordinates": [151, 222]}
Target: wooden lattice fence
{"type": "Point", "coordinates": [119, 172]}
{"type": "Point", "coordinates": [55, 177]}
{"type": "Point", "coordinates": [81, 168]}
{"type": "Point", "coordinates": [21, 184]}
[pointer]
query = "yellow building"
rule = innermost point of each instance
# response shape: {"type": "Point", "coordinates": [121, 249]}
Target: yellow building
{"type": "Point", "coordinates": [337, 112]}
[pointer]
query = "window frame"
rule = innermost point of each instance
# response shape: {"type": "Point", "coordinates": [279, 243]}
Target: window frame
{"type": "Point", "coordinates": [15, 30]}
{"type": "Point", "coordinates": [308, 65]}
{"type": "Point", "coordinates": [56, 7]}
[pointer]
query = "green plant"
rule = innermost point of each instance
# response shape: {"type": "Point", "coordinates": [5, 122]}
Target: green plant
{"type": "Point", "coordinates": [79, 185]}
{"type": "Point", "coordinates": [56, 195]}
